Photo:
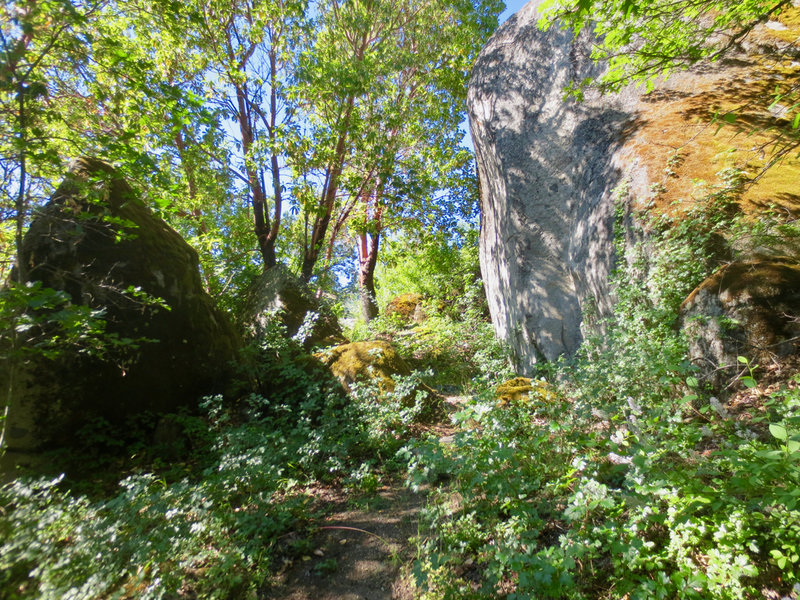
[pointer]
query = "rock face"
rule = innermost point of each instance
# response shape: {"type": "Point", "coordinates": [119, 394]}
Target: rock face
{"type": "Point", "coordinates": [749, 309]}
{"type": "Point", "coordinates": [554, 172]}
{"type": "Point", "coordinates": [546, 173]}
{"type": "Point", "coordinates": [95, 239]}
{"type": "Point", "coordinates": [279, 295]}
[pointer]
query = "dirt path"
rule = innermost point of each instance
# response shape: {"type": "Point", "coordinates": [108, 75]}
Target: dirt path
{"type": "Point", "coordinates": [362, 552]}
{"type": "Point", "coordinates": [357, 553]}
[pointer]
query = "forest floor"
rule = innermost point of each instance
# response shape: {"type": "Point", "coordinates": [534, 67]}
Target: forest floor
{"type": "Point", "coordinates": [360, 551]}
{"type": "Point", "coordinates": [364, 548]}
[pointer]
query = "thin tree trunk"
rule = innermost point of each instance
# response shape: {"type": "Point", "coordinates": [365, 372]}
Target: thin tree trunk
{"type": "Point", "coordinates": [368, 259]}
{"type": "Point", "coordinates": [320, 229]}
{"type": "Point", "coordinates": [261, 224]}
{"type": "Point", "coordinates": [368, 246]}
{"type": "Point", "coordinates": [22, 195]}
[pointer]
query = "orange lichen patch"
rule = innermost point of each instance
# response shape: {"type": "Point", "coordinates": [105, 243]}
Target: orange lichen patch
{"type": "Point", "coordinates": [686, 153]}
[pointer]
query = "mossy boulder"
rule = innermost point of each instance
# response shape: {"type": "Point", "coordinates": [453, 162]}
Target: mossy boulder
{"type": "Point", "coordinates": [277, 295]}
{"type": "Point", "coordinates": [407, 308]}
{"type": "Point", "coordinates": [96, 240]}
{"type": "Point", "coordinates": [374, 362]}
{"type": "Point", "coordinates": [524, 390]}
{"type": "Point", "coordinates": [749, 309]}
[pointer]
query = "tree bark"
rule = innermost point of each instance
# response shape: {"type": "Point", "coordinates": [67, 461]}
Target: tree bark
{"type": "Point", "coordinates": [261, 224]}
{"type": "Point", "coordinates": [22, 196]}
{"type": "Point", "coordinates": [368, 259]}
{"type": "Point", "coordinates": [328, 199]}
{"type": "Point", "coordinates": [368, 246]}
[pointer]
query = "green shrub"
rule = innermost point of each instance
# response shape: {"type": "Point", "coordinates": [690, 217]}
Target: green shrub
{"type": "Point", "coordinates": [632, 484]}
{"type": "Point", "coordinates": [211, 529]}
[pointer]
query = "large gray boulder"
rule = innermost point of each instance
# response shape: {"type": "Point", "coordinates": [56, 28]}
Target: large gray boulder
{"type": "Point", "coordinates": [546, 172]}
{"type": "Point", "coordinates": [95, 240]}
{"type": "Point", "coordinates": [558, 176]}
{"type": "Point", "coordinates": [277, 296]}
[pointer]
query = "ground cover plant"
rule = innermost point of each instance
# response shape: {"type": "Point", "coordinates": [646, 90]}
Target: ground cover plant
{"type": "Point", "coordinates": [208, 523]}
{"type": "Point", "coordinates": [632, 480]}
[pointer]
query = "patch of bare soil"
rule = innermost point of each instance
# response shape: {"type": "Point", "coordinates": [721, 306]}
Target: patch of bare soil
{"type": "Point", "coordinates": [356, 553]}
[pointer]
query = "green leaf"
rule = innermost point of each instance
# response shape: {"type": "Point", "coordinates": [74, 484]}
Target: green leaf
{"type": "Point", "coordinates": [792, 445]}
{"type": "Point", "coordinates": [742, 360]}
{"type": "Point", "coordinates": [749, 382]}
{"type": "Point", "coordinates": [692, 382]}
{"type": "Point", "coordinates": [778, 431]}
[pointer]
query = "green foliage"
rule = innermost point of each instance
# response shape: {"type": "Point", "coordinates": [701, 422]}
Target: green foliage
{"type": "Point", "coordinates": [209, 526]}
{"type": "Point", "coordinates": [592, 500]}
{"type": "Point", "coordinates": [441, 265]}
{"type": "Point", "coordinates": [621, 487]}
{"type": "Point", "coordinates": [643, 41]}
{"type": "Point", "coordinates": [639, 42]}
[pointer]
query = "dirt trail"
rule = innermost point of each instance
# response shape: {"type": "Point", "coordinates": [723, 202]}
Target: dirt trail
{"type": "Point", "coordinates": [361, 553]}
{"type": "Point", "coordinates": [357, 553]}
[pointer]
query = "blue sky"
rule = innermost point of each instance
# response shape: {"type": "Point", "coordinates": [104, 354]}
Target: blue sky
{"type": "Point", "coordinates": [512, 6]}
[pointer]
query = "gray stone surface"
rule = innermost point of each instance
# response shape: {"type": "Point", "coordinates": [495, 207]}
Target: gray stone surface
{"type": "Point", "coordinates": [277, 295]}
{"type": "Point", "coordinates": [547, 175]}
{"type": "Point", "coordinates": [93, 240]}
{"type": "Point", "coordinates": [750, 309]}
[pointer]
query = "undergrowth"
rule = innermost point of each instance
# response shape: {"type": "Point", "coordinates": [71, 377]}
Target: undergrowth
{"type": "Point", "coordinates": [620, 477]}
{"type": "Point", "coordinates": [635, 482]}
{"type": "Point", "coordinates": [213, 524]}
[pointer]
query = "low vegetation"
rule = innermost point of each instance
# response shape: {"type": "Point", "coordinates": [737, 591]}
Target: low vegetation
{"type": "Point", "coordinates": [616, 475]}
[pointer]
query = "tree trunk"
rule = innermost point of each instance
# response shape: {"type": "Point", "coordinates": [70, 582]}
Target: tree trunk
{"type": "Point", "coordinates": [328, 199]}
{"type": "Point", "coordinates": [368, 259]}
{"type": "Point", "coordinates": [22, 196]}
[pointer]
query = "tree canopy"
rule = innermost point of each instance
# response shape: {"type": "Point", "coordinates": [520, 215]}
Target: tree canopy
{"type": "Point", "coordinates": [314, 121]}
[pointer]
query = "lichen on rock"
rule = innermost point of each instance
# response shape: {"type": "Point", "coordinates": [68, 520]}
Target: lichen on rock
{"type": "Point", "coordinates": [524, 390]}
{"type": "Point", "coordinates": [406, 307]}
{"type": "Point", "coordinates": [554, 172]}
{"type": "Point", "coordinates": [749, 309]}
{"type": "Point", "coordinates": [376, 363]}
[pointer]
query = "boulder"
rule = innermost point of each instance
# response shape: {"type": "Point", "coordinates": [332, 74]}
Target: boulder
{"type": "Point", "coordinates": [546, 171]}
{"type": "Point", "coordinates": [523, 390]}
{"type": "Point", "coordinates": [749, 309]}
{"type": "Point", "coordinates": [277, 295]}
{"type": "Point", "coordinates": [375, 362]}
{"type": "Point", "coordinates": [97, 241]}
{"type": "Point", "coordinates": [408, 308]}
{"type": "Point", "coordinates": [560, 179]}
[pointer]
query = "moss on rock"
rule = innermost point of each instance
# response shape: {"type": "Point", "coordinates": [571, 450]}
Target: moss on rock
{"type": "Point", "coordinates": [373, 362]}
{"type": "Point", "coordinates": [376, 362]}
{"type": "Point", "coordinates": [96, 240]}
{"type": "Point", "coordinates": [524, 390]}
{"type": "Point", "coordinates": [406, 307]}
{"type": "Point", "coordinates": [749, 309]}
